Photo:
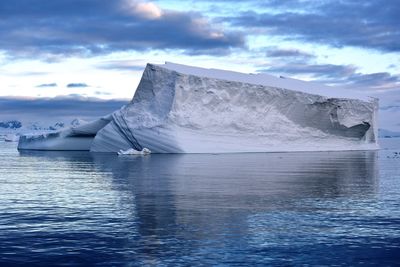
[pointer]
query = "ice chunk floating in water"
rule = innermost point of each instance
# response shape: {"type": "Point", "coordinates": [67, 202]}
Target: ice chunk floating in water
{"type": "Point", "coordinates": [132, 151]}
{"type": "Point", "coordinates": [182, 109]}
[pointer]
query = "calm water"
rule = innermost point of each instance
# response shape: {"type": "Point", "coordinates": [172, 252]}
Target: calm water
{"type": "Point", "coordinates": [68, 208]}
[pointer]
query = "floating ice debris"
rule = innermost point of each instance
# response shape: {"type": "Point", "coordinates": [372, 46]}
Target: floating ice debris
{"type": "Point", "coordinates": [132, 151]}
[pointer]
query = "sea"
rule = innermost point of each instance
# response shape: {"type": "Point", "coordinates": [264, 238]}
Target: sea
{"type": "Point", "coordinates": [249, 209]}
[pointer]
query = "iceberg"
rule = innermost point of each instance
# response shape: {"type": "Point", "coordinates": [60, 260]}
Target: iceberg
{"type": "Point", "coordinates": [79, 137]}
{"type": "Point", "coordinates": [184, 109]}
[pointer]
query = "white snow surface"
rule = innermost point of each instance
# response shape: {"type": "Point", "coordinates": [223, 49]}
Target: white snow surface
{"type": "Point", "coordinates": [267, 80]}
{"type": "Point", "coordinates": [182, 109]}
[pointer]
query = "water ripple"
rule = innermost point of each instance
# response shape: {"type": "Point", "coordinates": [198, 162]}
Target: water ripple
{"type": "Point", "coordinates": [77, 208]}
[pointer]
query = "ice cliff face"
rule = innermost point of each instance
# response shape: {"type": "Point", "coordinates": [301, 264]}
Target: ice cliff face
{"type": "Point", "coordinates": [180, 109]}
{"type": "Point", "coordinates": [173, 112]}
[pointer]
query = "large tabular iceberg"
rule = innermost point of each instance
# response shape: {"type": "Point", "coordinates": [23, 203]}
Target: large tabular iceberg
{"type": "Point", "coordinates": [182, 109]}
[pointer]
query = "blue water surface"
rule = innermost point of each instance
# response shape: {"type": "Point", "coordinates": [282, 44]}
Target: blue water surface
{"type": "Point", "coordinates": [262, 209]}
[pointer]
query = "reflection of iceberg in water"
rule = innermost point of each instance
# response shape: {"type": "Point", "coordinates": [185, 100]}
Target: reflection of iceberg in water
{"type": "Point", "coordinates": [215, 181]}
{"type": "Point", "coordinates": [235, 176]}
{"type": "Point", "coordinates": [203, 205]}
{"type": "Point", "coordinates": [203, 176]}
{"type": "Point", "coordinates": [182, 109]}
{"type": "Point", "coordinates": [217, 204]}
{"type": "Point", "coordinates": [200, 199]}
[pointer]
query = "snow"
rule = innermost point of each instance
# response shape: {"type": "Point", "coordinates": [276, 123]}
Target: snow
{"type": "Point", "coordinates": [182, 109]}
{"type": "Point", "coordinates": [267, 80]}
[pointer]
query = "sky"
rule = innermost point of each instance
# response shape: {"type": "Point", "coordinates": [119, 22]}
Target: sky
{"type": "Point", "coordinates": [94, 51]}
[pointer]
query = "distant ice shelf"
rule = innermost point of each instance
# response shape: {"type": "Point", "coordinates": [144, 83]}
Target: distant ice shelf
{"type": "Point", "coordinates": [183, 109]}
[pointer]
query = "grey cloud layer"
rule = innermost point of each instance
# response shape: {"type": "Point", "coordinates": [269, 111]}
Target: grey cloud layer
{"type": "Point", "coordinates": [344, 75]}
{"type": "Point", "coordinates": [368, 24]}
{"type": "Point", "coordinates": [44, 85]}
{"type": "Point", "coordinates": [89, 27]}
{"type": "Point", "coordinates": [77, 85]}
{"type": "Point", "coordinates": [72, 106]}
{"type": "Point", "coordinates": [274, 52]}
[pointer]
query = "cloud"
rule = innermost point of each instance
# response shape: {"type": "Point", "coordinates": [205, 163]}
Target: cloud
{"type": "Point", "coordinates": [146, 10]}
{"type": "Point", "coordinates": [29, 73]}
{"type": "Point", "coordinates": [102, 93]}
{"type": "Point", "coordinates": [53, 29]}
{"type": "Point", "coordinates": [316, 70]}
{"type": "Point", "coordinates": [59, 107]}
{"type": "Point", "coordinates": [43, 85]}
{"type": "Point", "coordinates": [288, 53]}
{"type": "Point", "coordinates": [379, 80]}
{"type": "Point", "coordinates": [122, 65]}
{"type": "Point", "coordinates": [77, 85]}
{"type": "Point", "coordinates": [342, 75]}
{"type": "Point", "coordinates": [368, 24]}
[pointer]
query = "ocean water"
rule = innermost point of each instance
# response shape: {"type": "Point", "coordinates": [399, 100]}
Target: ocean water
{"type": "Point", "coordinates": [264, 209]}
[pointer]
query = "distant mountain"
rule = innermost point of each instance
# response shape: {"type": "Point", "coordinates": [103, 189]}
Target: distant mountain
{"type": "Point", "coordinates": [18, 127]}
{"type": "Point", "coordinates": [13, 124]}
{"type": "Point", "coordinates": [383, 133]}
{"type": "Point", "coordinates": [36, 126]}
{"type": "Point", "coordinates": [12, 129]}
{"type": "Point", "coordinates": [57, 126]}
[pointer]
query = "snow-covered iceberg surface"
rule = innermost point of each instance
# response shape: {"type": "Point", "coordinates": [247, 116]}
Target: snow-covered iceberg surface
{"type": "Point", "coordinates": [182, 109]}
